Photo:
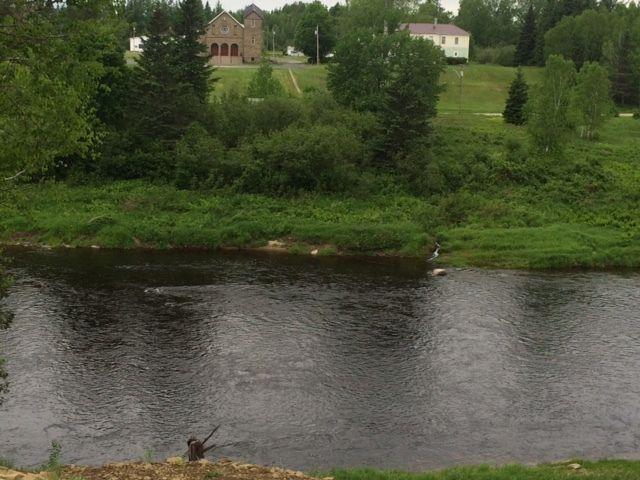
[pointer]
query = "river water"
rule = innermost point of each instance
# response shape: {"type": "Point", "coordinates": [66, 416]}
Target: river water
{"type": "Point", "coordinates": [314, 363]}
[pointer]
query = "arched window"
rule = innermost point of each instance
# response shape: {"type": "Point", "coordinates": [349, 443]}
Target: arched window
{"type": "Point", "coordinates": [224, 50]}
{"type": "Point", "coordinates": [215, 50]}
{"type": "Point", "coordinates": [234, 50]}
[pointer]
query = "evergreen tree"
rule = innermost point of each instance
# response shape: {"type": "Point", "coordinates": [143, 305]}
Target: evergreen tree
{"type": "Point", "coordinates": [208, 13]}
{"type": "Point", "coordinates": [526, 48]}
{"type": "Point", "coordinates": [190, 54]}
{"type": "Point", "coordinates": [155, 97]}
{"type": "Point", "coordinates": [218, 9]}
{"type": "Point", "coordinates": [514, 111]}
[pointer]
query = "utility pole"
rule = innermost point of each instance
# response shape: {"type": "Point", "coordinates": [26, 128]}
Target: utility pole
{"type": "Point", "coordinates": [317, 45]}
{"type": "Point", "coordinates": [460, 75]}
{"type": "Point", "coordinates": [273, 43]}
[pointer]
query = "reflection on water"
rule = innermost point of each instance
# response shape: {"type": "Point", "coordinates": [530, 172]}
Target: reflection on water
{"type": "Point", "coordinates": [312, 363]}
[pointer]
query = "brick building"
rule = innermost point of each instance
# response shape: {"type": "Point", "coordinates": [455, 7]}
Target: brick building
{"type": "Point", "coordinates": [230, 42]}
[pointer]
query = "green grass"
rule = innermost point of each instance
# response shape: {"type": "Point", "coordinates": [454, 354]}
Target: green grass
{"type": "Point", "coordinates": [485, 87]}
{"type": "Point", "coordinates": [129, 214]}
{"type": "Point", "coordinates": [579, 209]}
{"type": "Point", "coordinates": [239, 78]}
{"type": "Point", "coordinates": [600, 470]}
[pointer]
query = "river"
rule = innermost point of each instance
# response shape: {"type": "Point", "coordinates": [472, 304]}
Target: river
{"type": "Point", "coordinates": [312, 363]}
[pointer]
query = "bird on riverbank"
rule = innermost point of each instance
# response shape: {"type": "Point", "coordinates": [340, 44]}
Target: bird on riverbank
{"type": "Point", "coordinates": [435, 254]}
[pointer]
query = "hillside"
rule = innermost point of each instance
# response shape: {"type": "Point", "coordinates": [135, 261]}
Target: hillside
{"type": "Point", "coordinates": [485, 87]}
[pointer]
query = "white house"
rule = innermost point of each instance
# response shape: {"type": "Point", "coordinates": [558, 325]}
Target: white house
{"type": "Point", "coordinates": [453, 40]}
{"type": "Point", "coordinates": [292, 52]}
{"type": "Point", "coordinates": [135, 43]}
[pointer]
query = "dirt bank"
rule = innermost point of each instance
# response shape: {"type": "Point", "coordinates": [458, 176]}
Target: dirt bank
{"type": "Point", "coordinates": [172, 469]}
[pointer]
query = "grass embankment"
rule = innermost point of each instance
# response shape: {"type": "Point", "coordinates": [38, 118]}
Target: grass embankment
{"type": "Point", "coordinates": [226, 470]}
{"type": "Point", "coordinates": [601, 470]}
{"type": "Point", "coordinates": [491, 205]}
{"type": "Point", "coordinates": [485, 87]}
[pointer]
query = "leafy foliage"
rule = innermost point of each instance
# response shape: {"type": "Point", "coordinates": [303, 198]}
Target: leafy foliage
{"type": "Point", "coordinates": [592, 98]}
{"type": "Point", "coordinates": [393, 76]}
{"type": "Point", "coordinates": [549, 119]}
{"type": "Point", "coordinates": [263, 84]}
{"type": "Point", "coordinates": [316, 16]}
{"type": "Point", "coordinates": [316, 159]}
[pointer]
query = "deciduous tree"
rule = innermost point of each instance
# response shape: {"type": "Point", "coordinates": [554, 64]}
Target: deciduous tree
{"type": "Point", "coordinates": [549, 120]}
{"type": "Point", "coordinates": [592, 98]}
{"type": "Point", "coordinates": [263, 84]}
{"type": "Point", "coordinates": [393, 76]}
{"type": "Point", "coordinates": [316, 16]}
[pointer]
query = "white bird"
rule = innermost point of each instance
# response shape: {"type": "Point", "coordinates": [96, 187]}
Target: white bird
{"type": "Point", "coordinates": [435, 254]}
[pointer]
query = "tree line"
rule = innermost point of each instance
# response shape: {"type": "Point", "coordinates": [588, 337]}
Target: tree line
{"type": "Point", "coordinates": [72, 109]}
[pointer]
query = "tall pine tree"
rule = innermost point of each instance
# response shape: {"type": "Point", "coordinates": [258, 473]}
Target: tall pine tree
{"type": "Point", "coordinates": [514, 111]}
{"type": "Point", "coordinates": [190, 54]}
{"type": "Point", "coordinates": [208, 13]}
{"type": "Point", "coordinates": [526, 48]}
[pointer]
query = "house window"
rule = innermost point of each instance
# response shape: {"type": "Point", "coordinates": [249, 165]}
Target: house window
{"type": "Point", "coordinates": [456, 41]}
{"type": "Point", "coordinates": [443, 40]}
{"type": "Point", "coordinates": [253, 40]}
{"type": "Point", "coordinates": [253, 23]}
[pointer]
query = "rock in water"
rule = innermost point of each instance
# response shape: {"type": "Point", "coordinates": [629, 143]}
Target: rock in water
{"type": "Point", "coordinates": [438, 272]}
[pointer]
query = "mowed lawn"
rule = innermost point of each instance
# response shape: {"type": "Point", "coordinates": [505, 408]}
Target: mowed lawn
{"type": "Point", "coordinates": [484, 88]}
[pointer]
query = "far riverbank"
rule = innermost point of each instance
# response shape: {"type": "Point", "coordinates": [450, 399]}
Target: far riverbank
{"type": "Point", "coordinates": [139, 215]}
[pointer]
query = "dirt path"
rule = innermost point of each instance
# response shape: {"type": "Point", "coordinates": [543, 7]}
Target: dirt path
{"type": "Point", "coordinates": [295, 82]}
{"type": "Point", "coordinates": [172, 470]}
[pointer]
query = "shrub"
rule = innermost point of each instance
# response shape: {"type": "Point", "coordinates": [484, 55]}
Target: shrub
{"type": "Point", "coordinates": [320, 158]}
{"type": "Point", "coordinates": [636, 114]}
{"type": "Point", "coordinates": [198, 157]}
{"type": "Point", "coordinates": [456, 61]}
{"type": "Point", "coordinates": [232, 117]}
{"type": "Point", "coordinates": [263, 84]}
{"type": "Point", "coordinates": [503, 55]}
{"type": "Point", "coordinates": [276, 113]}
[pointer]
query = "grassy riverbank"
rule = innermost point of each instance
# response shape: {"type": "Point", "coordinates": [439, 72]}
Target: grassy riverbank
{"type": "Point", "coordinates": [601, 470]}
{"type": "Point", "coordinates": [224, 469]}
{"type": "Point", "coordinates": [500, 208]}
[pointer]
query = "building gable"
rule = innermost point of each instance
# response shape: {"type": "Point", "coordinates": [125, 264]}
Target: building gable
{"type": "Point", "coordinates": [223, 16]}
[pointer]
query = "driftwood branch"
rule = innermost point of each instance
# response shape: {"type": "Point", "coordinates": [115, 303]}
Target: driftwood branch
{"type": "Point", "coordinates": [13, 177]}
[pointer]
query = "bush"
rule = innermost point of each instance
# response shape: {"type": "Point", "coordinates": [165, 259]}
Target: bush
{"type": "Point", "coordinates": [232, 117]}
{"type": "Point", "coordinates": [313, 159]}
{"type": "Point", "coordinates": [199, 158]}
{"type": "Point", "coordinates": [636, 114]}
{"type": "Point", "coordinates": [503, 55]}
{"type": "Point", "coordinates": [456, 61]}
{"type": "Point", "coordinates": [276, 113]}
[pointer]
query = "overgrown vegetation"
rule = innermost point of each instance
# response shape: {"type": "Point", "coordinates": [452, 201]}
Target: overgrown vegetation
{"type": "Point", "coordinates": [157, 159]}
{"type": "Point", "coordinates": [601, 470]}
